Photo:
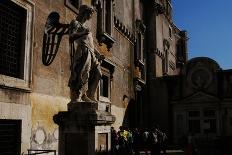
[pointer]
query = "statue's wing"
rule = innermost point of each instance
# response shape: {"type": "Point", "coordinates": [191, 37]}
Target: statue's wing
{"type": "Point", "coordinates": [53, 33]}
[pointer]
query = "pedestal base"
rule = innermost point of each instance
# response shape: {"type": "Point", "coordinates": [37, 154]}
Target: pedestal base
{"type": "Point", "coordinates": [83, 130]}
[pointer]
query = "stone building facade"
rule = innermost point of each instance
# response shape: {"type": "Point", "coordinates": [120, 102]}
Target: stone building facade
{"type": "Point", "coordinates": [200, 99]}
{"type": "Point", "coordinates": [166, 48]}
{"type": "Point", "coordinates": [137, 38]}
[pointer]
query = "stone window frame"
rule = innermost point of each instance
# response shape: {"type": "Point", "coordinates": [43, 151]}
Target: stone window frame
{"type": "Point", "coordinates": [69, 4]}
{"type": "Point", "coordinates": [139, 54]}
{"type": "Point", "coordinates": [105, 73]}
{"type": "Point", "coordinates": [170, 32]}
{"type": "Point", "coordinates": [107, 69]}
{"type": "Point", "coordinates": [24, 82]}
{"type": "Point", "coordinates": [105, 9]}
{"type": "Point", "coordinates": [202, 118]}
{"type": "Point", "coordinates": [165, 60]}
{"type": "Point", "coordinates": [168, 9]}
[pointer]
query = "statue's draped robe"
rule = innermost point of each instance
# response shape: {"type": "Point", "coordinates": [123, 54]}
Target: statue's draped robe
{"type": "Point", "coordinates": [83, 59]}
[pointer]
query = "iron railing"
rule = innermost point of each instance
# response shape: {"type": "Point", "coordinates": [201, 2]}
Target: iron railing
{"type": "Point", "coordinates": [35, 152]}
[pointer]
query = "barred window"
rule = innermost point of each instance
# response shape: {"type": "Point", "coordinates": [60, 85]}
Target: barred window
{"type": "Point", "coordinates": [10, 136]}
{"type": "Point", "coordinates": [12, 38]}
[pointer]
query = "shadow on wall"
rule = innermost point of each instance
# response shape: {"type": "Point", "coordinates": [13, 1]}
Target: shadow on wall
{"type": "Point", "coordinates": [130, 117]}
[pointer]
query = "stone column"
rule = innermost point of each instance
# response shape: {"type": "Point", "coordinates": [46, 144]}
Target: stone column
{"type": "Point", "coordinates": [84, 130]}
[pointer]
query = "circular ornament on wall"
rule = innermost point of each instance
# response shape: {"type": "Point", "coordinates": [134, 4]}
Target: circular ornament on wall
{"type": "Point", "coordinates": [200, 77]}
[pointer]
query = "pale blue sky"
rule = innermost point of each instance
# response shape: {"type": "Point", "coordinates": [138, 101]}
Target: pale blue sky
{"type": "Point", "coordinates": [209, 27]}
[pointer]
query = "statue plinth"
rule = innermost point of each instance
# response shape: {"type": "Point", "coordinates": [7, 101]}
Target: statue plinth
{"type": "Point", "coordinates": [83, 129]}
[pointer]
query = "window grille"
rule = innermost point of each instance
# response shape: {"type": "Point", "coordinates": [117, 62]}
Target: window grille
{"type": "Point", "coordinates": [12, 29]}
{"type": "Point", "coordinates": [10, 137]}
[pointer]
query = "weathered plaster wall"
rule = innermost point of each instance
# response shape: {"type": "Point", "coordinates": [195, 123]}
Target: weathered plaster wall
{"type": "Point", "coordinates": [48, 93]}
{"type": "Point", "coordinates": [15, 105]}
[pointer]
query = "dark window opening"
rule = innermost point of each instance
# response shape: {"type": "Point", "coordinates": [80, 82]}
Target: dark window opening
{"type": "Point", "coordinates": [165, 62]}
{"type": "Point", "coordinates": [105, 23]}
{"type": "Point", "coordinates": [10, 137]}
{"type": "Point", "coordinates": [108, 17]}
{"type": "Point", "coordinates": [209, 113]}
{"type": "Point", "coordinates": [104, 86]}
{"type": "Point", "coordinates": [12, 38]}
{"type": "Point", "coordinates": [170, 32]}
{"type": "Point", "coordinates": [140, 47]}
{"type": "Point", "coordinates": [194, 126]}
{"type": "Point", "coordinates": [75, 3]}
{"type": "Point", "coordinates": [210, 126]}
{"type": "Point", "coordinates": [194, 113]}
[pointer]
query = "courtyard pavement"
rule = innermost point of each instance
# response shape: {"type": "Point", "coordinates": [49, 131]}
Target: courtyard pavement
{"type": "Point", "coordinates": [169, 152]}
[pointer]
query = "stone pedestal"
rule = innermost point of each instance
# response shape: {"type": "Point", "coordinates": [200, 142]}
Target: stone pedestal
{"type": "Point", "coordinates": [84, 130]}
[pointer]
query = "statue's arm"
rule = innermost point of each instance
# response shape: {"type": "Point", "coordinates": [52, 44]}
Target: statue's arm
{"type": "Point", "coordinates": [76, 30]}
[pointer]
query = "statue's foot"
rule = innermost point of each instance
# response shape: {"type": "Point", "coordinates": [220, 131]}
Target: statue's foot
{"type": "Point", "coordinates": [92, 98]}
{"type": "Point", "coordinates": [87, 99]}
{"type": "Point", "coordinates": [77, 100]}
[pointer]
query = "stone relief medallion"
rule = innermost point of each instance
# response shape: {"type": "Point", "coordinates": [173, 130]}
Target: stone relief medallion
{"type": "Point", "coordinates": [40, 136]}
{"type": "Point", "coordinates": [200, 77]}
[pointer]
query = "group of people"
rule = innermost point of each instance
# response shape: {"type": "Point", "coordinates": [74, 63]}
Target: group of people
{"type": "Point", "coordinates": [131, 142]}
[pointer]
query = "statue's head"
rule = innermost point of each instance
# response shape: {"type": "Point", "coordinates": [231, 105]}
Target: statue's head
{"type": "Point", "coordinates": [86, 11]}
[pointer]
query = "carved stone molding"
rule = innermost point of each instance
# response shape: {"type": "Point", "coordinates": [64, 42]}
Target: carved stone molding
{"type": "Point", "coordinates": [159, 8]}
{"type": "Point", "coordinates": [123, 29]}
{"type": "Point", "coordinates": [107, 39]}
{"type": "Point", "coordinates": [110, 66]}
{"type": "Point", "coordinates": [159, 53]}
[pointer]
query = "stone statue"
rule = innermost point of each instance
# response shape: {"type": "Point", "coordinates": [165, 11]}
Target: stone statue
{"type": "Point", "coordinates": [85, 67]}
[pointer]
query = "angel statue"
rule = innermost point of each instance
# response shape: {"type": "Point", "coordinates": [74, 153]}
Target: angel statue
{"type": "Point", "coordinates": [85, 66]}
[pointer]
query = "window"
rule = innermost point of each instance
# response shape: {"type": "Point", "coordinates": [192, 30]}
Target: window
{"type": "Point", "coordinates": [209, 113]}
{"type": "Point", "coordinates": [139, 48]}
{"type": "Point", "coordinates": [12, 38]}
{"type": "Point", "coordinates": [139, 45]}
{"type": "Point", "coordinates": [107, 70]}
{"type": "Point", "coordinates": [202, 121]}
{"type": "Point", "coordinates": [168, 9]}
{"type": "Point", "coordinates": [194, 121]}
{"type": "Point", "coordinates": [194, 113]}
{"type": "Point", "coordinates": [210, 126]}
{"type": "Point", "coordinates": [10, 136]}
{"type": "Point", "coordinates": [165, 60]}
{"type": "Point", "coordinates": [16, 19]}
{"type": "Point", "coordinates": [181, 49]}
{"type": "Point", "coordinates": [170, 32]}
{"type": "Point", "coordinates": [73, 4]}
{"type": "Point", "coordinates": [209, 121]}
{"type": "Point", "coordinates": [194, 126]}
{"type": "Point", "coordinates": [105, 22]}
{"type": "Point", "coordinates": [104, 86]}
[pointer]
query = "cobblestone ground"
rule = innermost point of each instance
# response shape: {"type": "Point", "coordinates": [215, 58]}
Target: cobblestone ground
{"type": "Point", "coordinates": [169, 152]}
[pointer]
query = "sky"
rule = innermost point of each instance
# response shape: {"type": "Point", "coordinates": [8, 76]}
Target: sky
{"type": "Point", "coordinates": [209, 27]}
